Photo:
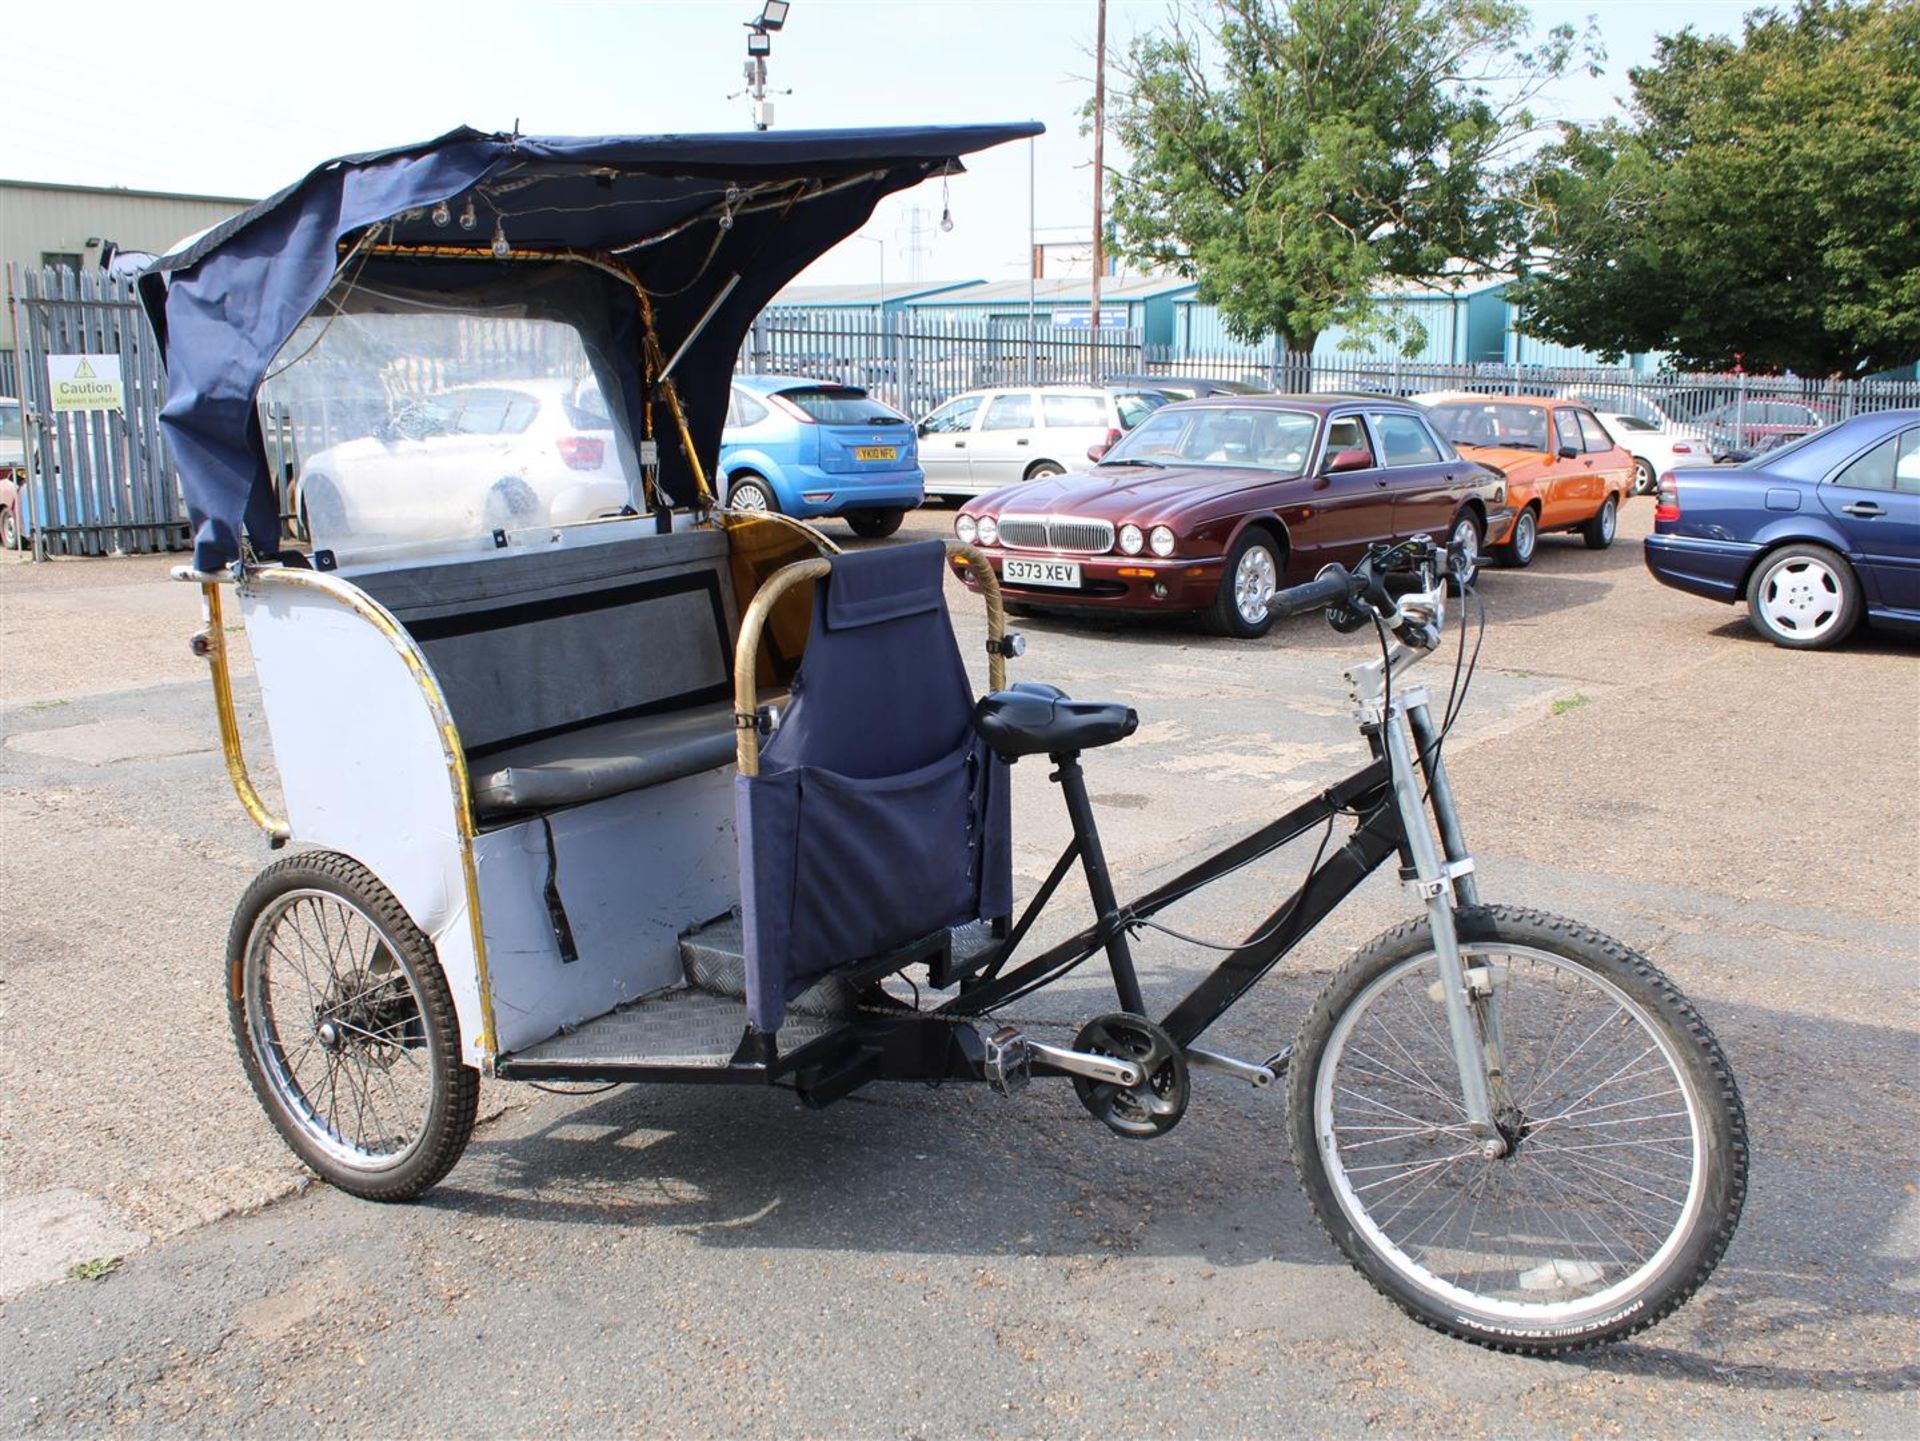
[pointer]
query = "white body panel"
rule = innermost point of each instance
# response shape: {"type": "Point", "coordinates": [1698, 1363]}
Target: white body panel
{"type": "Point", "coordinates": [634, 872]}
{"type": "Point", "coordinates": [363, 765]}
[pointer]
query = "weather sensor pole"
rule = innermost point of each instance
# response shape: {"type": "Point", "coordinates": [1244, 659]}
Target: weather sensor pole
{"type": "Point", "coordinates": [773, 16]}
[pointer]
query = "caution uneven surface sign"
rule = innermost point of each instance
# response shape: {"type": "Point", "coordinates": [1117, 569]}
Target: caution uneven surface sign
{"type": "Point", "coordinates": [86, 382]}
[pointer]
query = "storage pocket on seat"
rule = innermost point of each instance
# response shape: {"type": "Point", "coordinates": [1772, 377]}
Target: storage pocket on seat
{"type": "Point", "coordinates": [838, 869]}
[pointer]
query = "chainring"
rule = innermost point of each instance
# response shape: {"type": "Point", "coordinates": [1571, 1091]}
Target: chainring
{"type": "Point", "coordinates": [1153, 1109]}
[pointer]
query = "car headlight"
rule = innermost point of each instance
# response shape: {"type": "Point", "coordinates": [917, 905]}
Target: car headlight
{"type": "Point", "coordinates": [966, 530]}
{"type": "Point", "coordinates": [1131, 541]}
{"type": "Point", "coordinates": [1161, 539]}
{"type": "Point", "coordinates": [989, 530]}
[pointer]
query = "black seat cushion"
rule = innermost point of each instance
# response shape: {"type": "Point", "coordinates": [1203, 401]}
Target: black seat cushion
{"type": "Point", "coordinates": [602, 760]}
{"type": "Point", "coordinates": [1031, 719]}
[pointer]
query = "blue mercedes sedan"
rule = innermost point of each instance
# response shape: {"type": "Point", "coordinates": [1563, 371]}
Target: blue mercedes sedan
{"type": "Point", "coordinates": [1813, 535]}
{"type": "Point", "coordinates": [811, 448]}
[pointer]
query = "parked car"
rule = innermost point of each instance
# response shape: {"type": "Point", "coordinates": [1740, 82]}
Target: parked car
{"type": "Point", "coordinates": [1776, 438]}
{"type": "Point", "coordinates": [1188, 387]}
{"type": "Point", "coordinates": [1742, 425]}
{"type": "Point", "coordinates": [1563, 470]}
{"type": "Point", "coordinates": [465, 461]}
{"type": "Point", "coordinates": [812, 448]}
{"type": "Point", "coordinates": [1654, 451]}
{"type": "Point", "coordinates": [1210, 506]}
{"type": "Point", "coordinates": [13, 473]}
{"type": "Point", "coordinates": [1652, 407]}
{"type": "Point", "coordinates": [1812, 535]}
{"type": "Point", "coordinates": [985, 439]}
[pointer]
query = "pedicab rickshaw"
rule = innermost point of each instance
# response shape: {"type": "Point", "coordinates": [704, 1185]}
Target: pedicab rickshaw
{"type": "Point", "coordinates": [590, 779]}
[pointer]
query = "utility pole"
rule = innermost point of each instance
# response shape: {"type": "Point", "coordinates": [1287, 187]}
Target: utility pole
{"type": "Point", "coordinates": [1099, 177]}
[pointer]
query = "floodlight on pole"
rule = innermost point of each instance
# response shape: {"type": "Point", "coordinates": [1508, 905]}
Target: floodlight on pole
{"type": "Point", "coordinates": [773, 16]}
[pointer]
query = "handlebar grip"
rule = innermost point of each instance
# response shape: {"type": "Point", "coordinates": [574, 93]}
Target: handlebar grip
{"type": "Point", "coordinates": [1333, 584]}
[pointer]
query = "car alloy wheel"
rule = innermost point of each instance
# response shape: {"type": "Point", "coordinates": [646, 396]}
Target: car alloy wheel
{"type": "Point", "coordinates": [1255, 579]}
{"type": "Point", "coordinates": [1466, 539]}
{"type": "Point", "coordinates": [1802, 599]}
{"type": "Point", "coordinates": [747, 495]}
{"type": "Point", "coordinates": [1645, 482]}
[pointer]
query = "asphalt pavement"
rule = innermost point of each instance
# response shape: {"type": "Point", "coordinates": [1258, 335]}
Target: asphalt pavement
{"type": "Point", "coordinates": [917, 1261]}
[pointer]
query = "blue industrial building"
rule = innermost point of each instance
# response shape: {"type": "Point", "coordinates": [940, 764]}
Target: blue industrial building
{"type": "Point", "coordinates": [1448, 322]}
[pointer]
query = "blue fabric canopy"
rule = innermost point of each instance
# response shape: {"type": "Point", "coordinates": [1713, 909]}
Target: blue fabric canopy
{"type": "Point", "coordinates": [682, 214]}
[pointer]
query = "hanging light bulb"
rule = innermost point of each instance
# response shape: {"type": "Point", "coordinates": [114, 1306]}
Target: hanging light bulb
{"type": "Point", "coordinates": [946, 206]}
{"type": "Point", "coordinates": [441, 215]}
{"type": "Point", "coordinates": [501, 250]}
{"type": "Point", "coordinates": [467, 218]}
{"type": "Point", "coordinates": [946, 219]}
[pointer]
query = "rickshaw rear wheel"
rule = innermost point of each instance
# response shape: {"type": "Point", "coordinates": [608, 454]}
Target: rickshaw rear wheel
{"type": "Point", "coordinates": [346, 1027]}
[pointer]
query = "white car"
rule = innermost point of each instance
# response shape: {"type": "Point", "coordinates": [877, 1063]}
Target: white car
{"type": "Point", "coordinates": [1654, 451]}
{"type": "Point", "coordinates": [985, 439]}
{"type": "Point", "coordinates": [1627, 400]}
{"type": "Point", "coordinates": [464, 462]}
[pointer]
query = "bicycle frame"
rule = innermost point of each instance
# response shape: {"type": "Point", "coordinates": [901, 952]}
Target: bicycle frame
{"type": "Point", "coordinates": [1395, 818]}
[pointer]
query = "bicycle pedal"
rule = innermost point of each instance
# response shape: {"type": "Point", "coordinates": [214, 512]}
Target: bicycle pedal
{"type": "Point", "coordinates": [1008, 1062]}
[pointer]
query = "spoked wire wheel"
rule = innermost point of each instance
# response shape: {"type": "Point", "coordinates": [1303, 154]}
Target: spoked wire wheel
{"type": "Point", "coordinates": [347, 1029]}
{"type": "Point", "coordinates": [1625, 1146]}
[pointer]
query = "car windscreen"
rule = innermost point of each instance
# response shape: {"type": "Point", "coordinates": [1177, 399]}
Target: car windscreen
{"type": "Point", "coordinates": [1495, 424]}
{"type": "Point", "coordinates": [1135, 406]}
{"type": "Point", "coordinates": [841, 405]}
{"type": "Point", "coordinates": [1253, 437]}
{"type": "Point", "coordinates": [1634, 422]}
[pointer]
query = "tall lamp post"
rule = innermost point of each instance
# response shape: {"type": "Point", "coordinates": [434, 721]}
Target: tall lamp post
{"type": "Point", "coordinates": [1099, 179]}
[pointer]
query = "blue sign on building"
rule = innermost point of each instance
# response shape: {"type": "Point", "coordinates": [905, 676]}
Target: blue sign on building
{"type": "Point", "coordinates": [1111, 318]}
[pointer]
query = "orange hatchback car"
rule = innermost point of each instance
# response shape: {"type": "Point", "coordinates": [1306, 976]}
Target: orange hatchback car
{"type": "Point", "coordinates": [1563, 471]}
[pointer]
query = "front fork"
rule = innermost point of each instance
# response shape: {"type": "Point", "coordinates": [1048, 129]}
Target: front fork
{"type": "Point", "coordinates": [1442, 874]}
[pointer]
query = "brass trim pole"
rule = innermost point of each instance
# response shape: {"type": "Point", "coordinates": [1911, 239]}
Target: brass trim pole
{"type": "Point", "coordinates": [746, 692]}
{"type": "Point", "coordinates": [213, 644]}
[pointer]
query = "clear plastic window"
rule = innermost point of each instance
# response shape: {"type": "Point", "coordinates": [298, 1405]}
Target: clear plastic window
{"type": "Point", "coordinates": [411, 431]}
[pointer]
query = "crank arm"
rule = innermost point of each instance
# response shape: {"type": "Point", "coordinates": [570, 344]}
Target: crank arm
{"type": "Point", "coordinates": [1256, 1075]}
{"type": "Point", "coordinates": [1110, 1069]}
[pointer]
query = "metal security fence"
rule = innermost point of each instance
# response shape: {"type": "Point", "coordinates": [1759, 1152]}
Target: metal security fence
{"type": "Point", "coordinates": [915, 363]}
{"type": "Point", "coordinates": [99, 481]}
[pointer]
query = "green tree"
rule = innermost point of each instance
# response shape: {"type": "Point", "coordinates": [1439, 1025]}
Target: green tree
{"type": "Point", "coordinates": [1289, 154]}
{"type": "Point", "coordinates": [1760, 206]}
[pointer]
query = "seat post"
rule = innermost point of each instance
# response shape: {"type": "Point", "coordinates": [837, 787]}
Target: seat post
{"type": "Point", "coordinates": [1073, 784]}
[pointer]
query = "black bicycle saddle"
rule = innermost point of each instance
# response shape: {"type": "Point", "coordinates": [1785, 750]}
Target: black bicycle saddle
{"type": "Point", "coordinates": [1033, 719]}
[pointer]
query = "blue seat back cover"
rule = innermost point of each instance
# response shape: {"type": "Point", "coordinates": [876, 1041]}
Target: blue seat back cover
{"type": "Point", "coordinates": [878, 815]}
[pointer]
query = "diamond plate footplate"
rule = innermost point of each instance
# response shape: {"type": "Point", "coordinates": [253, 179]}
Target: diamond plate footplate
{"type": "Point", "coordinates": [677, 1028]}
{"type": "Point", "coordinates": [701, 1023]}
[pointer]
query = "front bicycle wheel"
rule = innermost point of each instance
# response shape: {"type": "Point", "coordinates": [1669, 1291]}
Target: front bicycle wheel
{"type": "Point", "coordinates": [1626, 1166]}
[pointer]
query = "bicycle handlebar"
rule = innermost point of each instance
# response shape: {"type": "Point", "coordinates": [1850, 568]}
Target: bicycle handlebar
{"type": "Point", "coordinates": [1332, 586]}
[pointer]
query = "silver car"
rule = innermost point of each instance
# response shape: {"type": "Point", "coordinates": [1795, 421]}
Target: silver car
{"type": "Point", "coordinates": [985, 439]}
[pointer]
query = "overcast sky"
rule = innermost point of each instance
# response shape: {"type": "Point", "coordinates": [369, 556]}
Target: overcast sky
{"type": "Point", "coordinates": [217, 97]}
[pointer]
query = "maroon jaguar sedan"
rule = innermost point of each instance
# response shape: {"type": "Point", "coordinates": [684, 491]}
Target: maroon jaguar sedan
{"type": "Point", "coordinates": [1210, 506]}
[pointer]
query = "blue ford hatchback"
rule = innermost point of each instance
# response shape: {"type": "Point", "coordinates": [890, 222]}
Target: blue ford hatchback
{"type": "Point", "coordinates": [813, 448]}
